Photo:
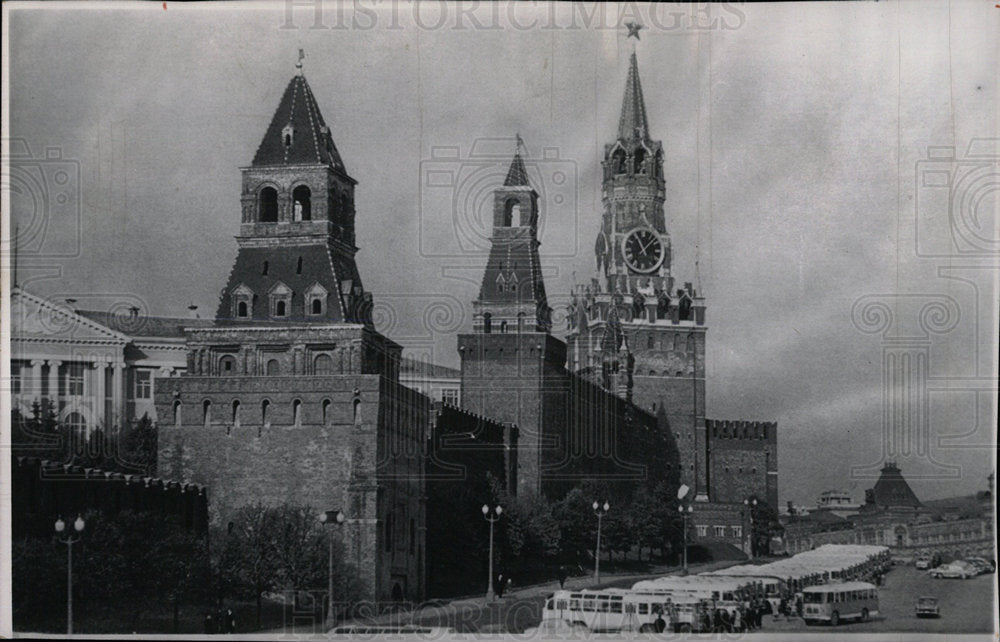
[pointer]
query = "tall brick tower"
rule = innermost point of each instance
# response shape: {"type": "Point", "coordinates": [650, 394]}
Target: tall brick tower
{"type": "Point", "coordinates": [664, 328]}
{"type": "Point", "coordinates": [513, 370]}
{"type": "Point", "coordinates": [292, 396]}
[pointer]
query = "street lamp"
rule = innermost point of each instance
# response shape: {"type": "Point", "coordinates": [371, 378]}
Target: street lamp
{"type": "Point", "coordinates": [685, 511]}
{"type": "Point", "coordinates": [600, 511]}
{"type": "Point", "coordinates": [69, 540]}
{"type": "Point", "coordinates": [492, 520]}
{"type": "Point", "coordinates": [331, 518]}
{"type": "Point", "coordinates": [750, 503]}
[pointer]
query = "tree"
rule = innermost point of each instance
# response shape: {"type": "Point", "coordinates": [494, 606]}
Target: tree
{"type": "Point", "coordinates": [248, 564]}
{"type": "Point", "coordinates": [531, 536]}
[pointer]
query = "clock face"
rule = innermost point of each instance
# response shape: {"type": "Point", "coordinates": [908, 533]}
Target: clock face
{"type": "Point", "coordinates": [643, 250]}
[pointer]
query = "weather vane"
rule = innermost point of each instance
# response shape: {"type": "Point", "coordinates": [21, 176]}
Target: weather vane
{"type": "Point", "coordinates": [633, 29]}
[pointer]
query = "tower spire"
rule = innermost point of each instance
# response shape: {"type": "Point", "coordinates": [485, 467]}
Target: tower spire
{"type": "Point", "coordinates": [633, 124]}
{"type": "Point", "coordinates": [517, 174]}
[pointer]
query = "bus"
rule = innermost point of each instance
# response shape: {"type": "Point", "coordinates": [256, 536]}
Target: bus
{"type": "Point", "coordinates": [621, 610]}
{"type": "Point", "coordinates": [834, 603]}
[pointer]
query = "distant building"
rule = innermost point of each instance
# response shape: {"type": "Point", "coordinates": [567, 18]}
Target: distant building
{"type": "Point", "coordinates": [92, 368]}
{"type": "Point", "coordinates": [440, 383]}
{"type": "Point", "coordinates": [893, 516]}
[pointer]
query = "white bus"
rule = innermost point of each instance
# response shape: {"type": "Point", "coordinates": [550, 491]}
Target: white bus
{"type": "Point", "coordinates": [834, 603]}
{"type": "Point", "coordinates": [621, 610]}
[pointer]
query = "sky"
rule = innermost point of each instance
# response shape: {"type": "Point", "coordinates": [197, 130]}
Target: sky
{"type": "Point", "coordinates": [811, 191]}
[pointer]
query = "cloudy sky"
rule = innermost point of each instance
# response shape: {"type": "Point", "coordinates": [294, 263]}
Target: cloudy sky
{"type": "Point", "coordinates": [797, 139]}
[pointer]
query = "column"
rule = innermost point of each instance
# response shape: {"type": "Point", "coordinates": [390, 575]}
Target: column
{"type": "Point", "coordinates": [35, 393]}
{"type": "Point", "coordinates": [117, 398]}
{"type": "Point", "coordinates": [100, 367]}
{"type": "Point", "coordinates": [54, 382]}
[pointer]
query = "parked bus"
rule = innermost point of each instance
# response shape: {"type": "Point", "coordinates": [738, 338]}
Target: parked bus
{"type": "Point", "coordinates": [620, 610]}
{"type": "Point", "coordinates": [836, 602]}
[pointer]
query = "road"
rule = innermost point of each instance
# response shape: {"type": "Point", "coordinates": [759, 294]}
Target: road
{"type": "Point", "coordinates": [966, 606]}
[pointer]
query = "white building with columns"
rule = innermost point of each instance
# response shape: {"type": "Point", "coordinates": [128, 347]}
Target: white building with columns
{"type": "Point", "coordinates": [96, 369]}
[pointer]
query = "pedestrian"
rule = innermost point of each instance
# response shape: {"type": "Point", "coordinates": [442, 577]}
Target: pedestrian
{"type": "Point", "coordinates": [798, 605]}
{"type": "Point", "coordinates": [659, 625]}
{"type": "Point", "coordinates": [500, 585]}
{"type": "Point", "coordinates": [210, 626]}
{"type": "Point", "coordinates": [510, 583]}
{"type": "Point", "coordinates": [738, 620]}
{"type": "Point", "coordinates": [562, 576]}
{"type": "Point", "coordinates": [230, 621]}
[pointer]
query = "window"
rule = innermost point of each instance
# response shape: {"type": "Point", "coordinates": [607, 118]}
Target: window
{"type": "Point", "coordinates": [227, 365]}
{"type": "Point", "coordinates": [298, 266]}
{"type": "Point", "coordinates": [510, 209]}
{"type": "Point", "coordinates": [326, 411]}
{"type": "Point", "coordinates": [281, 300]}
{"type": "Point", "coordinates": [450, 396]}
{"type": "Point", "coordinates": [177, 414]}
{"type": "Point", "coordinates": [273, 368]}
{"type": "Point", "coordinates": [651, 342]}
{"type": "Point", "coordinates": [206, 413]}
{"type": "Point", "coordinates": [323, 364]}
{"type": "Point", "coordinates": [279, 309]}
{"type": "Point", "coordinates": [242, 302]}
{"type": "Point", "coordinates": [720, 531]}
{"type": "Point", "coordinates": [297, 412]}
{"type": "Point", "coordinates": [701, 528]}
{"type": "Point", "coordinates": [15, 378]}
{"type": "Point", "coordinates": [487, 323]}
{"type": "Point", "coordinates": [268, 205]}
{"type": "Point", "coordinates": [317, 306]}
{"type": "Point", "coordinates": [74, 380]}
{"type": "Point", "coordinates": [302, 203]}
{"type": "Point", "coordinates": [264, 269]}
{"type": "Point", "coordinates": [315, 300]}
{"type": "Point", "coordinates": [737, 531]}
{"type": "Point", "coordinates": [264, 407]}
{"type": "Point", "coordinates": [241, 308]}
{"type": "Point", "coordinates": [236, 414]}
{"type": "Point", "coordinates": [143, 384]}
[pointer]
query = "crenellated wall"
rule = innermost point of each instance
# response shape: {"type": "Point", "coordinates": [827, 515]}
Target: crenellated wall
{"type": "Point", "coordinates": [743, 458]}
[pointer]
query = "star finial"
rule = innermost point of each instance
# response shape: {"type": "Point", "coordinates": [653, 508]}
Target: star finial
{"type": "Point", "coordinates": [298, 65]}
{"type": "Point", "coordinates": [633, 29]}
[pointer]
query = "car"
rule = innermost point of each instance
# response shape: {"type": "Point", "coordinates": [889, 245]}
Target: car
{"type": "Point", "coordinates": [957, 569]}
{"type": "Point", "coordinates": [984, 566]}
{"type": "Point", "coordinates": [923, 563]}
{"type": "Point", "coordinates": [927, 606]}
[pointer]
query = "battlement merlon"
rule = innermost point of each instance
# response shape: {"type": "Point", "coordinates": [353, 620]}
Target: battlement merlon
{"type": "Point", "coordinates": [742, 429]}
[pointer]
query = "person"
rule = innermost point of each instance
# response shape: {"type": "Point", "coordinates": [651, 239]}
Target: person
{"type": "Point", "coordinates": [500, 585]}
{"type": "Point", "coordinates": [210, 626]}
{"type": "Point", "coordinates": [738, 620]}
{"type": "Point", "coordinates": [230, 621]}
{"type": "Point", "coordinates": [510, 582]}
{"type": "Point", "coordinates": [798, 605]}
{"type": "Point", "coordinates": [660, 625]}
{"type": "Point", "coordinates": [562, 576]}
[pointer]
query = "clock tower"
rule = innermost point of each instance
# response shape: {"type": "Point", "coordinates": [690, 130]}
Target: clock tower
{"type": "Point", "coordinates": [632, 330]}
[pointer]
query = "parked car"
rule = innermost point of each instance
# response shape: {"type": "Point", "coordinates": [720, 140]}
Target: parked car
{"type": "Point", "coordinates": [927, 606]}
{"type": "Point", "coordinates": [984, 566]}
{"type": "Point", "coordinates": [923, 563]}
{"type": "Point", "coordinates": [956, 569]}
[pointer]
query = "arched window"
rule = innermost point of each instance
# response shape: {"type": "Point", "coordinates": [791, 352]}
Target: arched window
{"type": "Point", "coordinates": [618, 161]}
{"type": "Point", "coordinates": [302, 202]}
{"type": "Point", "coordinates": [487, 323]}
{"type": "Point", "coordinates": [279, 309]}
{"type": "Point", "coordinates": [520, 321]}
{"type": "Point", "coordinates": [323, 364]}
{"type": "Point", "coordinates": [264, 407]}
{"type": "Point", "coordinates": [236, 413]}
{"type": "Point", "coordinates": [177, 414]}
{"type": "Point", "coordinates": [273, 368]}
{"type": "Point", "coordinates": [268, 205]}
{"type": "Point", "coordinates": [206, 413]}
{"type": "Point", "coordinates": [640, 161]}
{"type": "Point", "coordinates": [510, 207]}
{"type": "Point", "coordinates": [264, 269]}
{"type": "Point", "coordinates": [326, 412]}
{"type": "Point", "coordinates": [690, 343]}
{"type": "Point", "coordinates": [227, 364]}
{"type": "Point", "coordinates": [241, 310]}
{"type": "Point", "coordinates": [298, 266]}
{"type": "Point", "coordinates": [503, 327]}
{"type": "Point", "coordinates": [296, 412]}
{"type": "Point", "coordinates": [317, 306]}
{"type": "Point", "coordinates": [357, 412]}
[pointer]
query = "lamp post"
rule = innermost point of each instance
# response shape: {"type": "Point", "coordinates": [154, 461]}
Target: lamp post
{"type": "Point", "coordinates": [685, 511]}
{"type": "Point", "coordinates": [750, 503]}
{"type": "Point", "coordinates": [331, 518]}
{"type": "Point", "coordinates": [69, 540]}
{"type": "Point", "coordinates": [492, 520]}
{"type": "Point", "coordinates": [600, 511]}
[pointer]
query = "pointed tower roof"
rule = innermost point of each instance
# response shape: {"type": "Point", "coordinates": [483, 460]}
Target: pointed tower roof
{"type": "Point", "coordinates": [517, 174]}
{"type": "Point", "coordinates": [632, 123]}
{"type": "Point", "coordinates": [310, 141]}
{"type": "Point", "coordinates": [892, 490]}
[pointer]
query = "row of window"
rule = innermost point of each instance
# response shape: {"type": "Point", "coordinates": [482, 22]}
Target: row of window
{"type": "Point", "coordinates": [267, 204]}
{"type": "Point", "coordinates": [236, 412]}
{"type": "Point", "coordinates": [502, 327]}
{"type": "Point", "coordinates": [322, 365]}
{"type": "Point", "coordinates": [639, 162]}
{"type": "Point", "coordinates": [280, 299]}
{"type": "Point", "coordinates": [72, 380]}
